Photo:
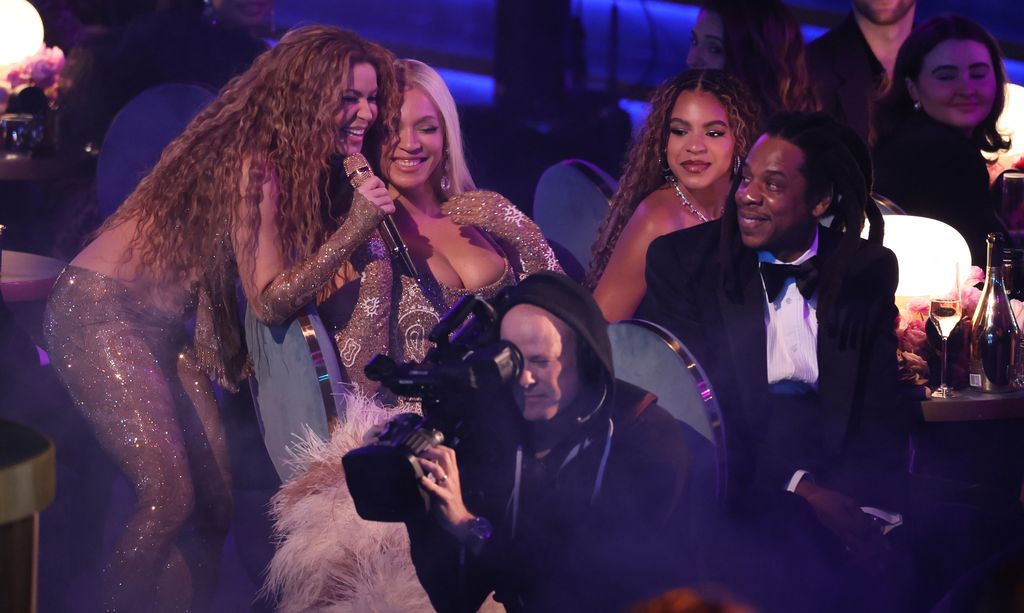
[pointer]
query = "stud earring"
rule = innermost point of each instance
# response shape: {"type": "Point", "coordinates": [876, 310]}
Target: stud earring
{"type": "Point", "coordinates": [917, 105]}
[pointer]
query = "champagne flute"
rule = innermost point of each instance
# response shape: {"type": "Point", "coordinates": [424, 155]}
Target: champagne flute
{"type": "Point", "coordinates": [1013, 205]}
{"type": "Point", "coordinates": [945, 312]}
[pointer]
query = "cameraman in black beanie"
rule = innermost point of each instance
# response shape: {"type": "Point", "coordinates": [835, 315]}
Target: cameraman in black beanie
{"type": "Point", "coordinates": [577, 506]}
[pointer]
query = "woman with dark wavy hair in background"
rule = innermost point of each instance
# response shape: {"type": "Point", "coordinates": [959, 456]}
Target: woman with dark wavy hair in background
{"type": "Point", "coordinates": [760, 42]}
{"type": "Point", "coordinates": [677, 175]}
{"type": "Point", "coordinates": [241, 194]}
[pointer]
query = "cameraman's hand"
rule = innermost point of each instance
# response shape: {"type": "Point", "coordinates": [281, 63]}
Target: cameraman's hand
{"type": "Point", "coordinates": [442, 480]}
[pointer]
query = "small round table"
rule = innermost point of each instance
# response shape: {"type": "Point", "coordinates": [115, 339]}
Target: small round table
{"type": "Point", "coordinates": [28, 481]}
{"type": "Point", "coordinates": [27, 277]}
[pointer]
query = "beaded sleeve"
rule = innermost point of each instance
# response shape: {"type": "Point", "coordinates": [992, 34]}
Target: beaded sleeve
{"type": "Point", "coordinates": [294, 287]}
{"type": "Point", "coordinates": [520, 238]}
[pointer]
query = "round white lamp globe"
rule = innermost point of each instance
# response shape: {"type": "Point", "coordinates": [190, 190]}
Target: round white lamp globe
{"type": "Point", "coordinates": [21, 31]}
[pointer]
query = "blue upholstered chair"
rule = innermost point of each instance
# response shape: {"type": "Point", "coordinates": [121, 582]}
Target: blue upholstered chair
{"type": "Point", "coordinates": [138, 135]}
{"type": "Point", "coordinates": [569, 204]}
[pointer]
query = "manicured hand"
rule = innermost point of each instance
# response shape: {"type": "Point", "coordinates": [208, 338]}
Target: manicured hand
{"type": "Point", "coordinates": [374, 190]}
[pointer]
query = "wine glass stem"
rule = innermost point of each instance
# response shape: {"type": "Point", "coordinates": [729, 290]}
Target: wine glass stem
{"type": "Point", "coordinates": [942, 381]}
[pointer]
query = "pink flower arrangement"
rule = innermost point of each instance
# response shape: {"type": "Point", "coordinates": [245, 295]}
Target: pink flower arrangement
{"type": "Point", "coordinates": [969, 294]}
{"type": "Point", "coordinates": [912, 337]}
{"type": "Point", "coordinates": [41, 70]}
{"type": "Point", "coordinates": [912, 343]}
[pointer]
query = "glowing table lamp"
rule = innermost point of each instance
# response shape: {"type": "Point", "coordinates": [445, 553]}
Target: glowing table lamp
{"type": "Point", "coordinates": [927, 250]}
{"type": "Point", "coordinates": [1011, 125]}
{"type": "Point", "coordinates": [21, 31]}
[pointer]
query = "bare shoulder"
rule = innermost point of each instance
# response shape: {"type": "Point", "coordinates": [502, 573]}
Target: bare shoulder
{"type": "Point", "coordinates": [658, 214]}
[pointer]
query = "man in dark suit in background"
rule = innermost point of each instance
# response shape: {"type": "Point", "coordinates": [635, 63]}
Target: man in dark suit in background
{"type": "Point", "coordinates": [802, 355]}
{"type": "Point", "coordinates": [850, 62]}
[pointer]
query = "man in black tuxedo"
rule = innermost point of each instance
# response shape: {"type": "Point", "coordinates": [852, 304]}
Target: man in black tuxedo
{"type": "Point", "coordinates": [849, 64]}
{"type": "Point", "coordinates": [803, 355]}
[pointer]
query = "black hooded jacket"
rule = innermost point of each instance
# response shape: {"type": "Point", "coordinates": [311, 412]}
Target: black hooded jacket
{"type": "Point", "coordinates": [596, 524]}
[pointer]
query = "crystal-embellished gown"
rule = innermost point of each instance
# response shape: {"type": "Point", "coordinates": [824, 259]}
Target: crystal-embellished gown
{"type": "Point", "coordinates": [394, 313]}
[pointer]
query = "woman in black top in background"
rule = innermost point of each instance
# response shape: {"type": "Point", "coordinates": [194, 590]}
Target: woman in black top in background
{"type": "Point", "coordinates": [932, 126]}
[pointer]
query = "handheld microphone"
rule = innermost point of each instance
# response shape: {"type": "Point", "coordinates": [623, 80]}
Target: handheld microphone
{"type": "Point", "coordinates": [358, 171]}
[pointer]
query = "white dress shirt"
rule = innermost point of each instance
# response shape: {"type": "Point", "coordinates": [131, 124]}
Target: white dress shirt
{"type": "Point", "coordinates": [791, 323]}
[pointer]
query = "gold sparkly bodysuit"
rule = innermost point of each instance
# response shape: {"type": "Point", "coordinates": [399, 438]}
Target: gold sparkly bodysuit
{"type": "Point", "coordinates": [393, 313]}
{"type": "Point", "coordinates": [144, 386]}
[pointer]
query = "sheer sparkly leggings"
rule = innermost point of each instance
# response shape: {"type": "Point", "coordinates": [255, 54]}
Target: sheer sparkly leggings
{"type": "Point", "coordinates": [126, 365]}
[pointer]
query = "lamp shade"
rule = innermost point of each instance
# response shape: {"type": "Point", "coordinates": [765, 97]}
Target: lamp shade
{"type": "Point", "coordinates": [1011, 122]}
{"type": "Point", "coordinates": [21, 31]}
{"type": "Point", "coordinates": [927, 251]}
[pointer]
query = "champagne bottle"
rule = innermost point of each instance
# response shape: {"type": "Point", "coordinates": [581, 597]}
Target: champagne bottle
{"type": "Point", "coordinates": [994, 333]}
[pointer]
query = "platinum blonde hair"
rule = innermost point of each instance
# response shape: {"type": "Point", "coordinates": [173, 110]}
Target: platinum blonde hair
{"type": "Point", "coordinates": [413, 73]}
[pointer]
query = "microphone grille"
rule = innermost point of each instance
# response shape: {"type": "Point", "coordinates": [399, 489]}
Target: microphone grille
{"type": "Point", "coordinates": [355, 163]}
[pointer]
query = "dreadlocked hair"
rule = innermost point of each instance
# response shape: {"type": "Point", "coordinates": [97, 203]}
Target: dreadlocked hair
{"type": "Point", "coordinates": [642, 173]}
{"type": "Point", "coordinates": [279, 119]}
{"type": "Point", "coordinates": [837, 164]}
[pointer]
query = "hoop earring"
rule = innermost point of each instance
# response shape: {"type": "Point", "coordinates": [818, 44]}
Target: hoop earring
{"type": "Point", "coordinates": [665, 170]}
{"type": "Point", "coordinates": [446, 182]}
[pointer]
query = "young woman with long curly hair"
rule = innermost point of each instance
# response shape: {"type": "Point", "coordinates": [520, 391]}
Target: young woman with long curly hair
{"type": "Point", "coordinates": [242, 194]}
{"type": "Point", "coordinates": [677, 175]}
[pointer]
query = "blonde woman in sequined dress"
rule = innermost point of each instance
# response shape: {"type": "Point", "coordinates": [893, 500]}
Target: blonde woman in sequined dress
{"type": "Point", "coordinates": [462, 240]}
{"type": "Point", "coordinates": [677, 175]}
{"type": "Point", "coordinates": [240, 196]}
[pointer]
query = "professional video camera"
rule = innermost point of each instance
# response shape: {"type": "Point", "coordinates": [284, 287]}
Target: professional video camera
{"type": "Point", "coordinates": [465, 370]}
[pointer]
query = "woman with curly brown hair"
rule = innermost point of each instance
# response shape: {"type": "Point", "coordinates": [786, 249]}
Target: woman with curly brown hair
{"type": "Point", "coordinates": [677, 175]}
{"type": "Point", "coordinates": [760, 42]}
{"type": "Point", "coordinates": [241, 194]}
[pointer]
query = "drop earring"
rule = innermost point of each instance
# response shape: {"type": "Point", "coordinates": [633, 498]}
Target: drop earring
{"type": "Point", "coordinates": [665, 170]}
{"type": "Point", "coordinates": [446, 182]}
{"type": "Point", "coordinates": [736, 165]}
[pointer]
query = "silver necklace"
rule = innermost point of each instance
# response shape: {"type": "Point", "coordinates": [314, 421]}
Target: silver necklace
{"type": "Point", "coordinates": [686, 201]}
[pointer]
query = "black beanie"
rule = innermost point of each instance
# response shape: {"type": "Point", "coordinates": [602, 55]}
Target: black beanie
{"type": "Point", "coordinates": [570, 302]}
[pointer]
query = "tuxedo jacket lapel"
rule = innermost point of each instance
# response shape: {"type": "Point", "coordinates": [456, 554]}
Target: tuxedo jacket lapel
{"type": "Point", "coordinates": [837, 365]}
{"type": "Point", "coordinates": [745, 335]}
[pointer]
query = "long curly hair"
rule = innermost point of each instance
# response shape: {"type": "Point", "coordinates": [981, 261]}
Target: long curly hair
{"type": "Point", "coordinates": [765, 49]}
{"type": "Point", "coordinates": [278, 119]}
{"type": "Point", "coordinates": [896, 106]}
{"type": "Point", "coordinates": [642, 173]}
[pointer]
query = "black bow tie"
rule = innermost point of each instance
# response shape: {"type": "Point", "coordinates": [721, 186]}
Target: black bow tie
{"type": "Point", "coordinates": [805, 274]}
